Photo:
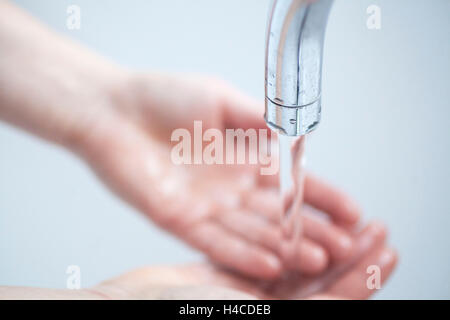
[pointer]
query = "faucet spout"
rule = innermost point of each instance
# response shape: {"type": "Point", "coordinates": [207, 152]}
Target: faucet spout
{"type": "Point", "coordinates": [294, 52]}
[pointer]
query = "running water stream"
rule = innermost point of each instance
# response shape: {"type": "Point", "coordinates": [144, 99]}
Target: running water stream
{"type": "Point", "coordinates": [291, 151]}
{"type": "Point", "coordinates": [292, 176]}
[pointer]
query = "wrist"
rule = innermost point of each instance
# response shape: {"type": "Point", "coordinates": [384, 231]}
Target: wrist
{"type": "Point", "coordinates": [97, 112]}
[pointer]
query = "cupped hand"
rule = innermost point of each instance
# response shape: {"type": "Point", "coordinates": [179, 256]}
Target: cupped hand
{"type": "Point", "coordinates": [345, 280]}
{"type": "Point", "coordinates": [229, 212]}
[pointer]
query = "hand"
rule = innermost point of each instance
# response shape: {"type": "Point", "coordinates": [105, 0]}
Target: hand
{"type": "Point", "coordinates": [346, 280]}
{"type": "Point", "coordinates": [229, 212]}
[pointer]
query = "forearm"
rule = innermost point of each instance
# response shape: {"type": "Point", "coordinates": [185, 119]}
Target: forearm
{"type": "Point", "coordinates": [49, 85]}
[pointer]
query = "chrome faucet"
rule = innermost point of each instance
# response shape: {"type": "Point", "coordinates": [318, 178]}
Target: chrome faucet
{"type": "Point", "coordinates": [294, 65]}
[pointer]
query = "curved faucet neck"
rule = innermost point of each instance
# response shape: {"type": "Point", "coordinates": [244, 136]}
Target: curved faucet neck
{"type": "Point", "coordinates": [294, 52]}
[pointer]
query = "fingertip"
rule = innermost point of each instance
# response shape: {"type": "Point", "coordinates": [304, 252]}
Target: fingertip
{"type": "Point", "coordinates": [264, 266]}
{"type": "Point", "coordinates": [388, 257]}
{"type": "Point", "coordinates": [371, 237]}
{"type": "Point", "coordinates": [352, 211]}
{"type": "Point", "coordinates": [345, 247]}
{"type": "Point", "coordinates": [271, 268]}
{"type": "Point", "coordinates": [319, 260]}
{"type": "Point", "coordinates": [378, 229]}
{"type": "Point", "coordinates": [273, 262]}
{"type": "Point", "coordinates": [314, 261]}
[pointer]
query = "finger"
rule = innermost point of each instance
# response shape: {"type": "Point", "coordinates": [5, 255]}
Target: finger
{"type": "Point", "coordinates": [225, 248]}
{"type": "Point", "coordinates": [336, 241]}
{"type": "Point", "coordinates": [264, 202]}
{"type": "Point", "coordinates": [358, 283]}
{"type": "Point", "coordinates": [253, 228]}
{"type": "Point", "coordinates": [268, 203]}
{"type": "Point", "coordinates": [321, 196]}
{"type": "Point", "coordinates": [367, 240]}
{"type": "Point", "coordinates": [372, 236]}
{"type": "Point", "coordinates": [310, 257]}
{"type": "Point", "coordinates": [331, 201]}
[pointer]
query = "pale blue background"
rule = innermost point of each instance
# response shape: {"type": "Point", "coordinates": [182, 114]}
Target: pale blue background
{"type": "Point", "coordinates": [383, 138]}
